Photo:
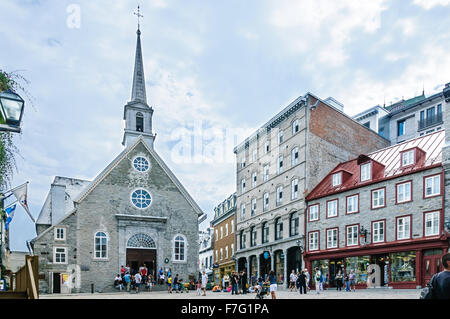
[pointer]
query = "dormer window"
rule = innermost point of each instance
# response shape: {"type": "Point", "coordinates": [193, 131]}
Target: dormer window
{"type": "Point", "coordinates": [408, 158]}
{"type": "Point", "coordinates": [337, 179]}
{"type": "Point", "coordinates": [139, 122]}
{"type": "Point", "coordinates": [366, 172]}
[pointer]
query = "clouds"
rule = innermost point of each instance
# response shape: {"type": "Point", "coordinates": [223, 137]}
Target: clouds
{"type": "Point", "coordinates": [221, 66]}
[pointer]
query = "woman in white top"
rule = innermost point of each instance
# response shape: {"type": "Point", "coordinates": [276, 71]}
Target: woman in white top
{"type": "Point", "coordinates": [317, 276]}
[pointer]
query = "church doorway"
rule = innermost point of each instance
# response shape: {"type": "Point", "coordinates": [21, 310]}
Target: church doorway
{"type": "Point", "coordinates": [141, 250]}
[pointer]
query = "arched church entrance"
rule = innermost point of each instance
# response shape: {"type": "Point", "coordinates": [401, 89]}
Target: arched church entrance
{"type": "Point", "coordinates": [141, 250]}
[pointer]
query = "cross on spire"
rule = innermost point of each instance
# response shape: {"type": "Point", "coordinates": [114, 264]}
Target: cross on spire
{"type": "Point", "coordinates": [139, 16]}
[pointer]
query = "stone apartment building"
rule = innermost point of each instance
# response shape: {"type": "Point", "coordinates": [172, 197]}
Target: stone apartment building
{"type": "Point", "coordinates": [382, 215]}
{"type": "Point", "coordinates": [135, 212]}
{"type": "Point", "coordinates": [277, 166]}
{"type": "Point", "coordinates": [407, 119]}
{"type": "Point", "coordinates": [224, 239]}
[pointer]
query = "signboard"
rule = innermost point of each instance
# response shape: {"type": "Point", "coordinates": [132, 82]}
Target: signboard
{"type": "Point", "coordinates": [266, 255]}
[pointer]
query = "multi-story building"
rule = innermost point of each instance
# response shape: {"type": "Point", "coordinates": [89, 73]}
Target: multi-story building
{"type": "Point", "coordinates": [206, 252]}
{"type": "Point", "coordinates": [407, 119]}
{"type": "Point", "coordinates": [276, 166]}
{"type": "Point", "coordinates": [224, 238]}
{"type": "Point", "coordinates": [382, 215]}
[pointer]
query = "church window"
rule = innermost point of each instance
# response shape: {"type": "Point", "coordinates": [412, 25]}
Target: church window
{"type": "Point", "coordinates": [141, 164]}
{"type": "Point", "coordinates": [141, 241]}
{"type": "Point", "coordinates": [141, 198]}
{"type": "Point", "coordinates": [60, 255]}
{"type": "Point", "coordinates": [101, 245]}
{"type": "Point", "coordinates": [179, 248]}
{"type": "Point", "coordinates": [139, 122]}
{"type": "Point", "coordinates": [60, 233]}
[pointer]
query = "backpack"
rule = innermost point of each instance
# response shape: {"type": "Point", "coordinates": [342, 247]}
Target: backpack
{"type": "Point", "coordinates": [428, 291]}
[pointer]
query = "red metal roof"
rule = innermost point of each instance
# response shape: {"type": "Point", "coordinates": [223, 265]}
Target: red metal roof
{"type": "Point", "coordinates": [390, 161]}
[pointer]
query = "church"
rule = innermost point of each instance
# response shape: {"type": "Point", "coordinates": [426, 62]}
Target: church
{"type": "Point", "coordinates": [134, 212]}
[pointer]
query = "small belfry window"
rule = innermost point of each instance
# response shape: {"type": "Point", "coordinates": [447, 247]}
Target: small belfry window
{"type": "Point", "coordinates": [408, 158]}
{"type": "Point", "coordinates": [337, 179]}
{"type": "Point", "coordinates": [141, 198]}
{"type": "Point", "coordinates": [139, 122]}
{"type": "Point", "coordinates": [141, 164]}
{"type": "Point", "coordinates": [179, 248]}
{"type": "Point", "coordinates": [101, 245]}
{"type": "Point", "coordinates": [366, 172]}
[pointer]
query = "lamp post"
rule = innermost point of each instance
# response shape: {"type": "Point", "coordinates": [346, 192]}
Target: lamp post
{"type": "Point", "coordinates": [11, 109]}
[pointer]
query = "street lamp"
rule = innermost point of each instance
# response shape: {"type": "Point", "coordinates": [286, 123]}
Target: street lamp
{"type": "Point", "coordinates": [301, 243]}
{"type": "Point", "coordinates": [11, 109]}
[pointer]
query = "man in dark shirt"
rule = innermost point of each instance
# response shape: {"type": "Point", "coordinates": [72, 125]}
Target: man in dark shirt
{"type": "Point", "coordinates": [441, 282]}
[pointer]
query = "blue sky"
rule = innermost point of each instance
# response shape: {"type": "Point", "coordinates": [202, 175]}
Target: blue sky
{"type": "Point", "coordinates": [217, 65]}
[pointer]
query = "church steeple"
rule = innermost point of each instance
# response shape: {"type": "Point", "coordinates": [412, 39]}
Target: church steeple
{"type": "Point", "coordinates": [137, 113]}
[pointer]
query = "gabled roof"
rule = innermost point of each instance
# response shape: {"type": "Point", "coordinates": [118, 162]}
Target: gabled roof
{"type": "Point", "coordinates": [389, 157]}
{"type": "Point", "coordinates": [100, 177]}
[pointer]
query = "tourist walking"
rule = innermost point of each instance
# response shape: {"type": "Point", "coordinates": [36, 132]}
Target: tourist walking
{"type": "Point", "coordinates": [204, 282]}
{"type": "Point", "coordinates": [317, 279]}
{"type": "Point", "coordinates": [292, 280]}
{"type": "Point", "coordinates": [301, 282]}
{"type": "Point", "coordinates": [137, 280]}
{"type": "Point", "coordinates": [352, 280]}
{"type": "Point", "coordinates": [235, 283]}
{"type": "Point", "coordinates": [338, 280]}
{"type": "Point", "coordinates": [199, 287]}
{"type": "Point", "coordinates": [273, 284]}
{"type": "Point", "coordinates": [161, 276]}
{"type": "Point", "coordinates": [143, 272]}
{"type": "Point", "coordinates": [169, 284]}
{"type": "Point", "coordinates": [244, 282]}
{"type": "Point", "coordinates": [308, 278]}
{"type": "Point", "coordinates": [127, 279]}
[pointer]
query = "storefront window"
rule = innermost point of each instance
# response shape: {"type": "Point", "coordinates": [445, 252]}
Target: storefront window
{"type": "Point", "coordinates": [359, 265]}
{"type": "Point", "coordinates": [279, 266]}
{"type": "Point", "coordinates": [403, 266]}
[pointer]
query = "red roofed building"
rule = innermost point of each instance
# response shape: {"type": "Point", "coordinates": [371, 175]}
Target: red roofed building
{"type": "Point", "coordinates": [381, 215]}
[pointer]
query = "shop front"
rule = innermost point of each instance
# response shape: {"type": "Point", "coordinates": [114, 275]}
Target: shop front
{"type": "Point", "coordinates": [224, 269]}
{"type": "Point", "coordinates": [407, 266]}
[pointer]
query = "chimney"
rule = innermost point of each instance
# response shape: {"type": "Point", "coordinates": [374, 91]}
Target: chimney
{"type": "Point", "coordinates": [58, 202]}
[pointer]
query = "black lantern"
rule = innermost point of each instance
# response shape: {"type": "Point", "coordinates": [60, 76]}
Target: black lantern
{"type": "Point", "coordinates": [301, 243]}
{"type": "Point", "coordinates": [11, 109]}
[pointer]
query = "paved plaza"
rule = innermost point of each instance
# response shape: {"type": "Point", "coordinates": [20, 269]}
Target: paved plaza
{"type": "Point", "coordinates": [328, 294]}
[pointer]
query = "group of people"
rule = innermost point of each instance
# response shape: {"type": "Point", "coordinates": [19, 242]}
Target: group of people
{"type": "Point", "coordinates": [131, 279]}
{"type": "Point", "coordinates": [299, 281]}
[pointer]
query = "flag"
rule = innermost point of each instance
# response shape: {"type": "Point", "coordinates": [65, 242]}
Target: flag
{"type": "Point", "coordinates": [9, 215]}
{"type": "Point", "coordinates": [21, 195]}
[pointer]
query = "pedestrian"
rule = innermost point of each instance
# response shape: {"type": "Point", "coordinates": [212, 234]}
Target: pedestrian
{"type": "Point", "coordinates": [301, 282]}
{"type": "Point", "coordinates": [204, 282]}
{"type": "Point", "coordinates": [122, 271]}
{"type": "Point", "coordinates": [308, 278]}
{"type": "Point", "coordinates": [440, 282]}
{"type": "Point", "coordinates": [175, 283]}
{"type": "Point", "coordinates": [322, 280]}
{"type": "Point", "coordinates": [346, 282]}
{"type": "Point", "coordinates": [226, 280]}
{"type": "Point", "coordinates": [137, 280]}
{"type": "Point", "coordinates": [235, 283]}
{"type": "Point", "coordinates": [169, 284]}
{"type": "Point", "coordinates": [143, 271]}
{"type": "Point", "coordinates": [292, 280]}
{"type": "Point", "coordinates": [352, 280]}
{"type": "Point", "coordinates": [317, 278]}
{"type": "Point", "coordinates": [160, 275]}
{"type": "Point", "coordinates": [150, 282]}
{"type": "Point", "coordinates": [273, 284]}
{"type": "Point", "coordinates": [199, 287]}
{"type": "Point", "coordinates": [244, 282]}
{"type": "Point", "coordinates": [127, 269]}
{"type": "Point", "coordinates": [338, 280]}
{"type": "Point", "coordinates": [127, 279]}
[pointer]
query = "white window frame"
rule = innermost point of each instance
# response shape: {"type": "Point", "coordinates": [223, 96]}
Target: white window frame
{"type": "Point", "coordinates": [408, 158]}
{"type": "Point", "coordinates": [253, 207]}
{"type": "Point", "coordinates": [64, 253]}
{"type": "Point", "coordinates": [280, 136]}
{"type": "Point", "coordinates": [243, 162]}
{"type": "Point", "coordinates": [232, 226]}
{"type": "Point", "coordinates": [217, 255]}
{"type": "Point", "coordinates": [232, 249]}
{"type": "Point", "coordinates": [221, 232]}
{"type": "Point", "coordinates": [243, 185]}
{"type": "Point", "coordinates": [366, 172]}
{"type": "Point", "coordinates": [377, 199]}
{"type": "Point", "coordinates": [404, 193]}
{"type": "Point", "coordinates": [354, 203]}
{"type": "Point", "coordinates": [242, 211]}
{"type": "Point", "coordinates": [279, 195]}
{"type": "Point", "coordinates": [95, 245]}
{"type": "Point", "coordinates": [313, 211]}
{"type": "Point", "coordinates": [294, 193]}
{"type": "Point", "coordinates": [267, 147]}
{"type": "Point", "coordinates": [266, 199]}
{"type": "Point", "coordinates": [141, 164]}
{"type": "Point", "coordinates": [226, 230]}
{"type": "Point", "coordinates": [280, 164]}
{"type": "Point", "coordinates": [226, 252]}
{"type": "Point", "coordinates": [333, 235]}
{"type": "Point", "coordinates": [294, 160]}
{"type": "Point", "coordinates": [266, 173]}
{"type": "Point", "coordinates": [313, 241]}
{"type": "Point", "coordinates": [350, 235]}
{"type": "Point", "coordinates": [295, 127]}
{"type": "Point", "coordinates": [434, 223]}
{"type": "Point", "coordinates": [377, 237]}
{"type": "Point", "coordinates": [255, 155]}
{"type": "Point", "coordinates": [63, 232]}
{"type": "Point", "coordinates": [254, 179]}
{"type": "Point", "coordinates": [185, 251]}
{"type": "Point", "coordinates": [221, 253]}
{"type": "Point", "coordinates": [337, 179]}
{"type": "Point", "coordinates": [434, 185]}
{"type": "Point", "coordinates": [335, 202]}
{"type": "Point", "coordinates": [404, 229]}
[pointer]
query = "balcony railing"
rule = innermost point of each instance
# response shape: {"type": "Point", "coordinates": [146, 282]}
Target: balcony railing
{"type": "Point", "coordinates": [435, 119]}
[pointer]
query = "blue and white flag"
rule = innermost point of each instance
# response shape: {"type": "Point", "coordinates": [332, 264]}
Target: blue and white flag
{"type": "Point", "coordinates": [9, 215]}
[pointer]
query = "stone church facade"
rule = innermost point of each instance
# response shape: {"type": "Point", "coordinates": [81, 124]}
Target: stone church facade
{"type": "Point", "coordinates": [134, 212]}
